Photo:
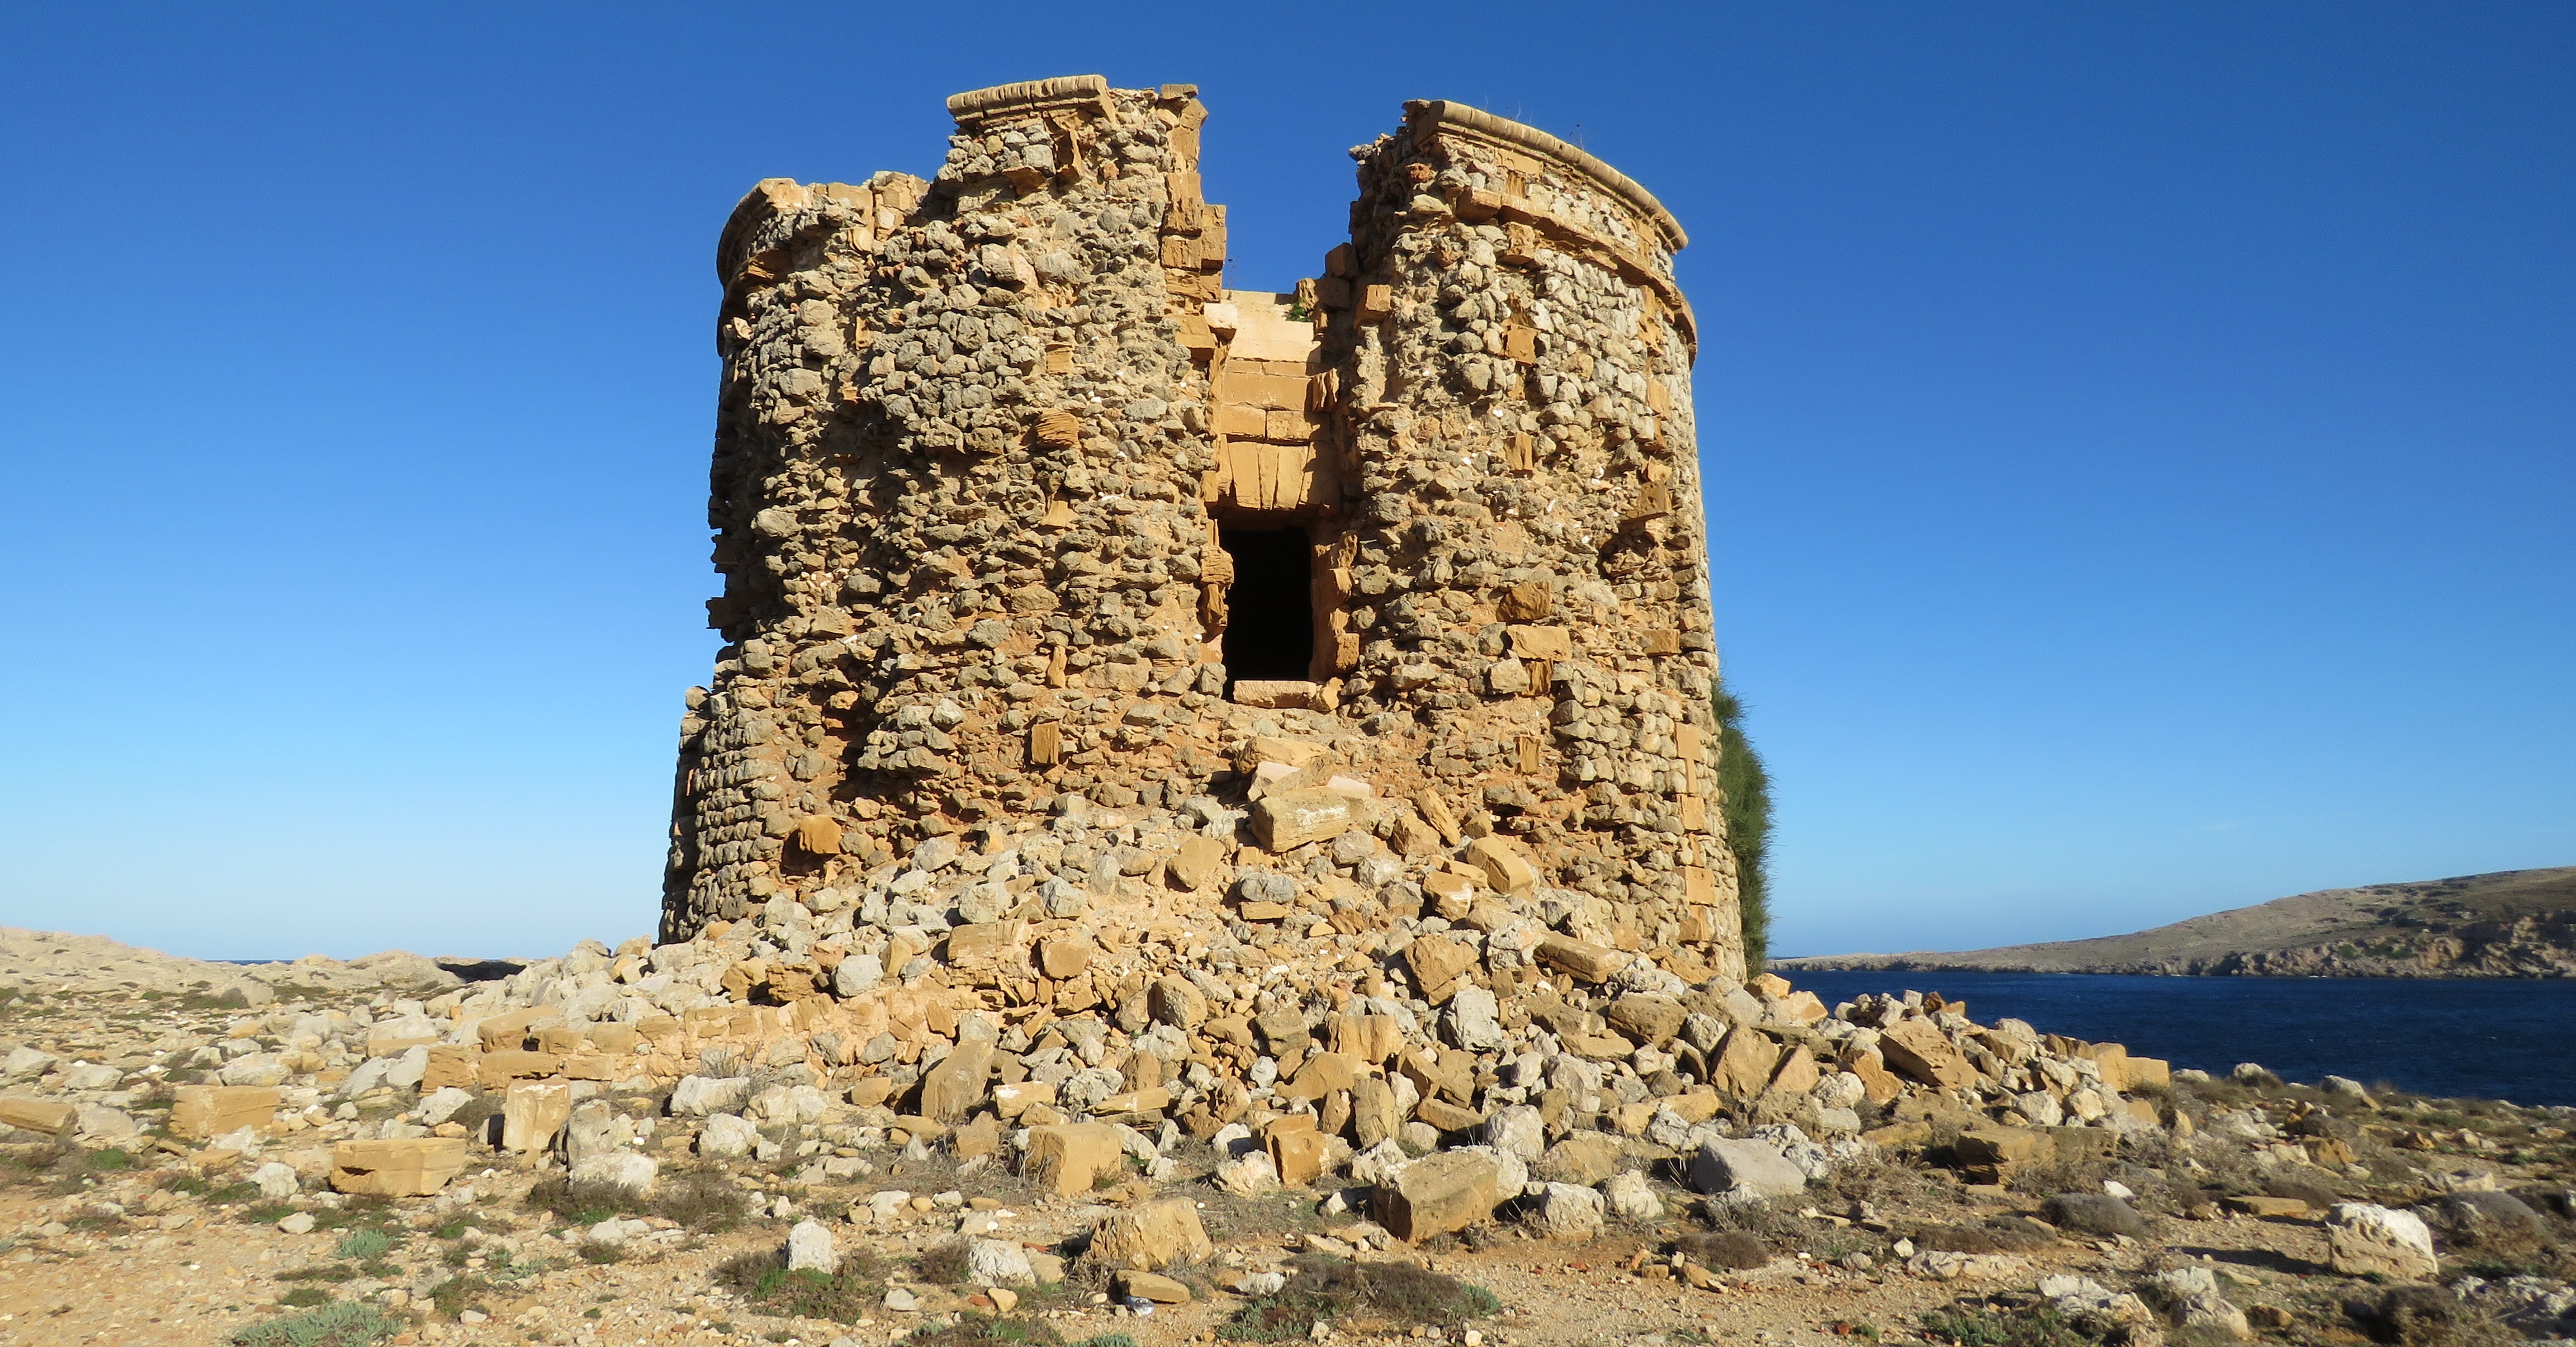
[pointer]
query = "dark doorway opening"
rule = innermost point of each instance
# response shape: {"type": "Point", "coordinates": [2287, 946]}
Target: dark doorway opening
{"type": "Point", "coordinates": [1270, 611]}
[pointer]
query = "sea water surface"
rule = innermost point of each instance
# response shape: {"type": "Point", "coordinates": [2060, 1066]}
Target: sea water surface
{"type": "Point", "coordinates": [2484, 1038]}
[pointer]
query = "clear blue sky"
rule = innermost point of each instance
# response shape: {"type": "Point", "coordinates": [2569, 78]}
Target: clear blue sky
{"type": "Point", "coordinates": [2138, 437]}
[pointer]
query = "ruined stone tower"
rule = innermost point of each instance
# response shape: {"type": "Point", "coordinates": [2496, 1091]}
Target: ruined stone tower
{"type": "Point", "coordinates": [1063, 583]}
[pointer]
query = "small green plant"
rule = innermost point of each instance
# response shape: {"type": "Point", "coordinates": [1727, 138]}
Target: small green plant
{"type": "Point", "coordinates": [368, 1245]}
{"type": "Point", "coordinates": [1327, 1288]}
{"type": "Point", "coordinates": [266, 1213]}
{"type": "Point", "coordinates": [111, 1157]}
{"type": "Point", "coordinates": [601, 1253]}
{"type": "Point", "coordinates": [456, 1295]}
{"type": "Point", "coordinates": [305, 1296]}
{"type": "Point", "coordinates": [977, 1330]}
{"type": "Point", "coordinates": [1980, 1326]}
{"type": "Point", "coordinates": [944, 1264]}
{"type": "Point", "coordinates": [843, 1297]}
{"type": "Point", "coordinates": [340, 1325]}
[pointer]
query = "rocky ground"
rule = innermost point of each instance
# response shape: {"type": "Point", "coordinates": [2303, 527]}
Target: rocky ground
{"type": "Point", "coordinates": [181, 1170]}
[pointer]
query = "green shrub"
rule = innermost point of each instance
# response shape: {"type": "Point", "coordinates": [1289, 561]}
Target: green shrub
{"type": "Point", "coordinates": [343, 1325]}
{"type": "Point", "coordinates": [1747, 814]}
{"type": "Point", "coordinates": [762, 1279]}
{"type": "Point", "coordinates": [1980, 1326]}
{"type": "Point", "coordinates": [1329, 1288]}
{"type": "Point", "coordinates": [366, 1246]}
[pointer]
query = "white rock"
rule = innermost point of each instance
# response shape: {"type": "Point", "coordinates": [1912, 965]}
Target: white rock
{"type": "Point", "coordinates": [1568, 1211]}
{"type": "Point", "coordinates": [635, 1173]}
{"type": "Point", "coordinates": [1248, 1175]}
{"type": "Point", "coordinates": [1631, 1198]}
{"type": "Point", "coordinates": [809, 1249]}
{"type": "Point", "coordinates": [999, 1262]}
{"type": "Point", "coordinates": [727, 1134]}
{"type": "Point", "coordinates": [1745, 1168]}
{"type": "Point", "coordinates": [443, 1104]}
{"type": "Point", "coordinates": [26, 1064]}
{"type": "Point", "coordinates": [2362, 1239]}
{"type": "Point", "coordinates": [1372, 1164]}
{"type": "Point", "coordinates": [1519, 1129]}
{"type": "Point", "coordinates": [277, 1182]}
{"type": "Point", "coordinates": [856, 974]}
{"type": "Point", "coordinates": [301, 1223]}
{"type": "Point", "coordinates": [699, 1096]}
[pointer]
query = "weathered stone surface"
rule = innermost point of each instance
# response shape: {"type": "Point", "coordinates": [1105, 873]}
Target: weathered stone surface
{"type": "Point", "coordinates": [1568, 1211]}
{"type": "Point", "coordinates": [1153, 1286]}
{"type": "Point", "coordinates": [1150, 1236]}
{"type": "Point", "coordinates": [1585, 1158]}
{"type": "Point", "coordinates": [533, 1114]}
{"type": "Point", "coordinates": [1915, 1048]}
{"type": "Point", "coordinates": [1437, 1194]}
{"type": "Point", "coordinates": [2363, 1239]}
{"type": "Point", "coordinates": [999, 1262]}
{"type": "Point", "coordinates": [956, 1085]}
{"type": "Point", "coordinates": [810, 1249]}
{"type": "Point", "coordinates": [415, 1167]}
{"type": "Point", "coordinates": [1067, 1158]}
{"type": "Point", "coordinates": [1286, 822]}
{"type": "Point", "coordinates": [1630, 1198]}
{"type": "Point", "coordinates": [198, 1112]}
{"type": "Point", "coordinates": [637, 1174]}
{"type": "Point", "coordinates": [1732, 1167]}
{"type": "Point", "coordinates": [48, 1116]}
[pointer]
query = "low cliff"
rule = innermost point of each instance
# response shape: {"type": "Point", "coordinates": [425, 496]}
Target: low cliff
{"type": "Point", "coordinates": [2512, 923]}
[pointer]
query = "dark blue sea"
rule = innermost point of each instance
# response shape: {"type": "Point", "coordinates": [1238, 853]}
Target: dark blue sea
{"type": "Point", "coordinates": [2486, 1038]}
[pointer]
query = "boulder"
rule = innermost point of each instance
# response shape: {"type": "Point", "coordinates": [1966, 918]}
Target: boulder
{"type": "Point", "coordinates": [1568, 1211]}
{"type": "Point", "coordinates": [1914, 1047]}
{"type": "Point", "coordinates": [1067, 1158]}
{"type": "Point", "coordinates": [1583, 1157]}
{"type": "Point", "coordinates": [1446, 1191]}
{"type": "Point", "coordinates": [1521, 1130]}
{"type": "Point", "coordinates": [727, 1135]}
{"type": "Point", "coordinates": [1151, 1236]}
{"type": "Point", "coordinates": [1730, 1167]}
{"type": "Point", "coordinates": [407, 1167]}
{"type": "Point", "coordinates": [1743, 1066]}
{"type": "Point", "coordinates": [637, 1174]}
{"type": "Point", "coordinates": [1287, 821]}
{"type": "Point", "coordinates": [1249, 1175]}
{"type": "Point", "coordinates": [277, 1182]}
{"type": "Point", "coordinates": [700, 1096]}
{"type": "Point", "coordinates": [2362, 1239]}
{"type": "Point", "coordinates": [809, 1249]}
{"type": "Point", "coordinates": [1630, 1198]}
{"type": "Point", "coordinates": [956, 1085]}
{"type": "Point", "coordinates": [1652, 1020]}
{"type": "Point", "coordinates": [999, 1262]}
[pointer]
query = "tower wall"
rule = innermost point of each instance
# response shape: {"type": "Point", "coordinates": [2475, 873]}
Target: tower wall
{"type": "Point", "coordinates": [982, 447]}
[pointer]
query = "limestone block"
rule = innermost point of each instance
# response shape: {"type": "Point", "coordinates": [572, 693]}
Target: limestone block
{"type": "Point", "coordinates": [198, 1112]}
{"type": "Point", "coordinates": [699, 1096]}
{"type": "Point", "coordinates": [1732, 1167]}
{"type": "Point", "coordinates": [533, 1113]}
{"type": "Point", "coordinates": [1652, 1020]}
{"type": "Point", "coordinates": [409, 1167]}
{"type": "Point", "coordinates": [1153, 1286]}
{"type": "Point", "coordinates": [1152, 1235]}
{"type": "Point", "coordinates": [999, 1262]}
{"type": "Point", "coordinates": [2363, 1239]}
{"type": "Point", "coordinates": [1297, 1153]}
{"type": "Point", "coordinates": [1584, 1157]}
{"type": "Point", "coordinates": [809, 1248]}
{"type": "Point", "coordinates": [1324, 1072]}
{"type": "Point", "coordinates": [1196, 863]}
{"type": "Point", "coordinates": [1583, 960]}
{"type": "Point", "coordinates": [1914, 1047]}
{"type": "Point", "coordinates": [957, 1084]}
{"type": "Point", "coordinates": [1439, 1193]}
{"type": "Point", "coordinates": [1743, 1066]}
{"type": "Point", "coordinates": [1630, 1198]}
{"type": "Point", "coordinates": [1506, 864]}
{"type": "Point", "coordinates": [728, 1135]}
{"type": "Point", "coordinates": [1010, 1101]}
{"type": "Point", "coordinates": [49, 1116]}
{"type": "Point", "coordinates": [1067, 1158]}
{"type": "Point", "coordinates": [1568, 1211]}
{"type": "Point", "coordinates": [1287, 821]}
{"type": "Point", "coordinates": [637, 1174]}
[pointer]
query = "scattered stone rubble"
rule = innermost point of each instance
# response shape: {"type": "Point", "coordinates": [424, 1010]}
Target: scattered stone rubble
{"type": "Point", "coordinates": [1596, 1116]}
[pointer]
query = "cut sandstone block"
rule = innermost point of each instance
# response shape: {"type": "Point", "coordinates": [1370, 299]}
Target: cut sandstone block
{"type": "Point", "coordinates": [1066, 1158]}
{"type": "Point", "coordinates": [533, 1114]}
{"type": "Point", "coordinates": [1287, 821]}
{"type": "Point", "coordinates": [1916, 1048]}
{"type": "Point", "coordinates": [2362, 1239]}
{"type": "Point", "coordinates": [199, 1112]}
{"type": "Point", "coordinates": [1151, 1236]}
{"type": "Point", "coordinates": [48, 1116]}
{"type": "Point", "coordinates": [412, 1167]}
{"type": "Point", "coordinates": [1446, 1191]}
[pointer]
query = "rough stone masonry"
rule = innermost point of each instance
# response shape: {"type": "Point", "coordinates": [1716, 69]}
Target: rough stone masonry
{"type": "Point", "coordinates": [1069, 594]}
